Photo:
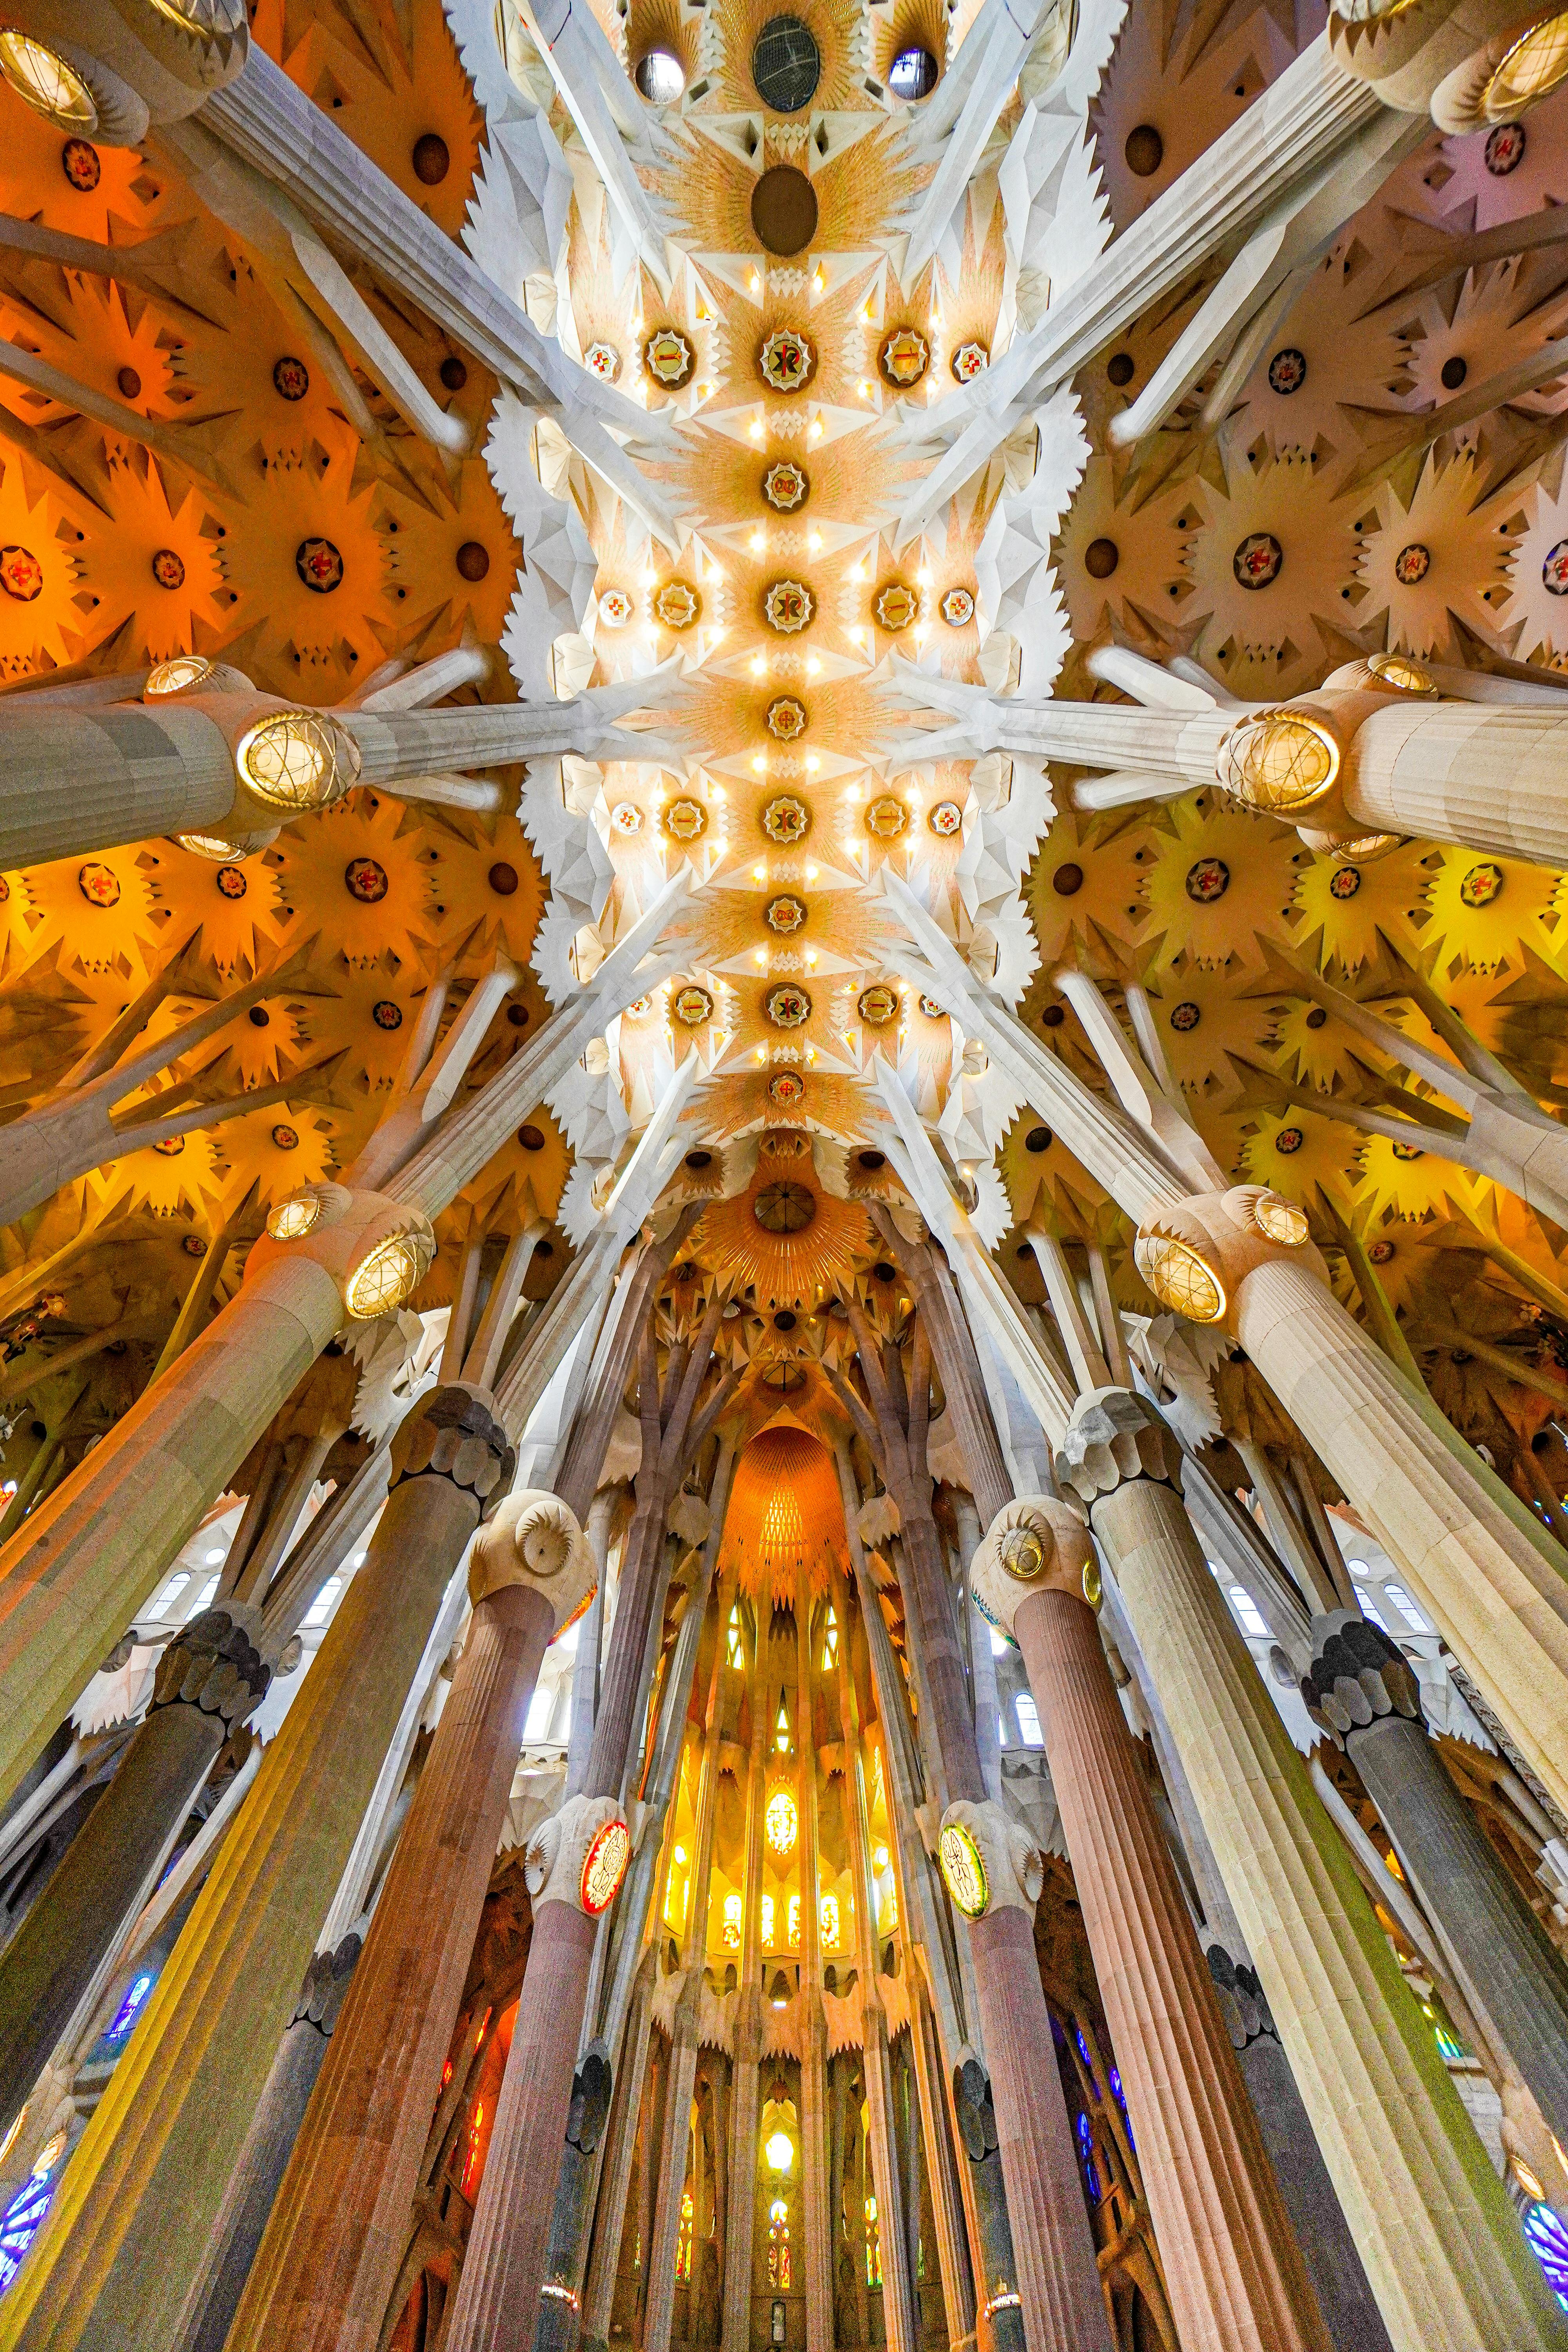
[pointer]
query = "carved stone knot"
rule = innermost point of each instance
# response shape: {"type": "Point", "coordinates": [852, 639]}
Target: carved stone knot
{"type": "Point", "coordinates": [1114, 1435]}
{"type": "Point", "coordinates": [326, 1982]}
{"type": "Point", "coordinates": [1358, 1674]}
{"type": "Point", "coordinates": [1242, 2001]}
{"type": "Point", "coordinates": [215, 1664]}
{"type": "Point", "coordinates": [452, 1434]}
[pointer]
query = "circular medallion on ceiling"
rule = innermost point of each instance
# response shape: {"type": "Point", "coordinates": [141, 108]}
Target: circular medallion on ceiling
{"type": "Point", "coordinates": [785, 1088]}
{"type": "Point", "coordinates": [21, 575]}
{"type": "Point", "coordinates": [1257, 560]}
{"type": "Point", "coordinates": [787, 717]}
{"type": "Point", "coordinates": [604, 361]}
{"type": "Point", "coordinates": [616, 608]}
{"type": "Point", "coordinates": [877, 1005]}
{"type": "Point", "coordinates": [897, 605]}
{"type": "Point", "coordinates": [786, 820]}
{"type": "Point", "coordinates": [904, 358]}
{"type": "Point", "coordinates": [787, 1005]}
{"type": "Point", "coordinates": [785, 485]}
{"type": "Point", "coordinates": [969, 361]}
{"type": "Point", "coordinates": [786, 360]}
{"type": "Point", "coordinates": [693, 1006]}
{"type": "Point", "coordinates": [945, 818]}
{"type": "Point", "coordinates": [784, 914]}
{"type": "Point", "coordinates": [788, 606]}
{"type": "Point", "coordinates": [786, 64]}
{"type": "Point", "coordinates": [783, 210]}
{"type": "Point", "coordinates": [678, 604]}
{"type": "Point", "coordinates": [669, 358]}
{"type": "Point", "coordinates": [785, 1208]}
{"type": "Point", "coordinates": [685, 820]}
{"type": "Point", "coordinates": [957, 608]}
{"type": "Point", "coordinates": [886, 817]}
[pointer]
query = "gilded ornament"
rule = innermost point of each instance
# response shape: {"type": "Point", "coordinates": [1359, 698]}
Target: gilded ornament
{"type": "Point", "coordinates": [1024, 1554]}
{"type": "Point", "coordinates": [1287, 371]}
{"type": "Point", "coordinates": [1482, 884]}
{"type": "Point", "coordinates": [787, 1005]}
{"type": "Point", "coordinates": [1185, 1017]}
{"type": "Point", "coordinates": [786, 820]}
{"type": "Point", "coordinates": [21, 573]}
{"type": "Point", "coordinates": [685, 820]}
{"type": "Point", "coordinates": [957, 608]}
{"type": "Point", "coordinates": [787, 717]}
{"type": "Point", "coordinates": [365, 878]}
{"type": "Point", "coordinates": [784, 914]}
{"type": "Point", "coordinates": [291, 1220]}
{"type": "Point", "coordinates": [904, 358]}
{"type": "Point", "coordinates": [616, 608]}
{"type": "Point", "coordinates": [604, 1867]}
{"type": "Point", "coordinates": [970, 360]}
{"type": "Point", "coordinates": [786, 360]}
{"type": "Point", "coordinates": [886, 817]}
{"type": "Point", "coordinates": [676, 604]}
{"type": "Point", "coordinates": [931, 1008]}
{"type": "Point", "coordinates": [46, 82]}
{"type": "Point", "coordinates": [627, 818]}
{"type": "Point", "coordinates": [319, 566]}
{"type": "Point", "coordinates": [1278, 760]}
{"type": "Point", "coordinates": [388, 1275]}
{"type": "Point", "coordinates": [964, 1869]}
{"type": "Point", "coordinates": [788, 606]}
{"type": "Point", "coordinates": [897, 605]}
{"type": "Point", "coordinates": [693, 1006]}
{"type": "Point", "coordinates": [604, 361]}
{"type": "Point", "coordinates": [877, 1005]}
{"type": "Point", "coordinates": [99, 884]}
{"type": "Point", "coordinates": [1401, 674]}
{"type": "Point", "coordinates": [1412, 564]}
{"type": "Point", "coordinates": [1281, 1220]}
{"type": "Point", "coordinates": [291, 378]}
{"type": "Point", "coordinates": [945, 818]}
{"type": "Point", "coordinates": [785, 485]}
{"type": "Point", "coordinates": [785, 1088]}
{"type": "Point", "coordinates": [1256, 562]}
{"type": "Point", "coordinates": [669, 358]}
{"type": "Point", "coordinates": [1289, 1141]}
{"type": "Point", "coordinates": [297, 760]}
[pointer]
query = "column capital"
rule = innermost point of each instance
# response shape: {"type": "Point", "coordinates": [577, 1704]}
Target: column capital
{"type": "Point", "coordinates": [377, 1249]}
{"type": "Point", "coordinates": [326, 1982]}
{"type": "Point", "coordinates": [989, 1862]}
{"type": "Point", "coordinates": [1195, 1253]}
{"type": "Point", "coordinates": [1243, 2004]}
{"type": "Point", "coordinates": [453, 1433]}
{"type": "Point", "coordinates": [1035, 1544]}
{"type": "Point", "coordinates": [1357, 1676]}
{"type": "Point", "coordinates": [216, 1663]}
{"type": "Point", "coordinates": [578, 1856]}
{"type": "Point", "coordinates": [532, 1541]}
{"type": "Point", "coordinates": [1115, 1436]}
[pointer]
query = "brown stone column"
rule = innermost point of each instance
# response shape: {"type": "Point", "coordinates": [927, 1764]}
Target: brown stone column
{"type": "Point", "coordinates": [745, 2076]}
{"type": "Point", "coordinates": [1442, 2251]}
{"type": "Point", "coordinates": [209, 1677]}
{"type": "Point", "coordinates": [503, 2271]}
{"type": "Point", "coordinates": [1232, 2266]}
{"type": "Point", "coordinates": [145, 2184]}
{"type": "Point", "coordinates": [1056, 2292]}
{"type": "Point", "coordinates": [330, 2255]}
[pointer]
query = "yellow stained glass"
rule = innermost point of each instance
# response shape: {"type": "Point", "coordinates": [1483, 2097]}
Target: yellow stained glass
{"type": "Point", "coordinates": [1179, 1278]}
{"type": "Point", "coordinates": [1278, 761]}
{"type": "Point", "coordinates": [1532, 67]}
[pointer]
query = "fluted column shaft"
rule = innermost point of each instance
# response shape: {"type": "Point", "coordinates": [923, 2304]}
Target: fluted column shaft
{"type": "Point", "coordinates": [1440, 2245]}
{"type": "Point", "coordinates": [1232, 2267]}
{"type": "Point", "coordinates": [1053, 2250]}
{"type": "Point", "coordinates": [340, 2225]}
{"type": "Point", "coordinates": [744, 2074]}
{"type": "Point", "coordinates": [616, 2180]}
{"type": "Point", "coordinates": [81, 1566]}
{"type": "Point", "coordinates": [144, 2185]}
{"type": "Point", "coordinates": [814, 2156]}
{"type": "Point", "coordinates": [1476, 773]}
{"type": "Point", "coordinates": [248, 2201]}
{"type": "Point", "coordinates": [75, 780]}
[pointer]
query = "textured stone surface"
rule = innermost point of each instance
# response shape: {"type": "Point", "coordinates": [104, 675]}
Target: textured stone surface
{"type": "Point", "coordinates": [1114, 1435]}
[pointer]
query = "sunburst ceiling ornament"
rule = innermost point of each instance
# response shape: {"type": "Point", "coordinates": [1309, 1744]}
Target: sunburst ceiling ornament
{"type": "Point", "coordinates": [795, 1264]}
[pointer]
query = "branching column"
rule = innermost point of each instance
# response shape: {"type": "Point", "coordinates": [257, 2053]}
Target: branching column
{"type": "Point", "coordinates": [1058, 2282]}
{"type": "Point", "coordinates": [503, 2271]}
{"type": "Point", "coordinates": [1232, 2266]}
{"type": "Point", "coordinates": [146, 2182]}
{"type": "Point", "coordinates": [1440, 2245]}
{"type": "Point", "coordinates": [1363, 1693]}
{"type": "Point", "coordinates": [332, 2250]}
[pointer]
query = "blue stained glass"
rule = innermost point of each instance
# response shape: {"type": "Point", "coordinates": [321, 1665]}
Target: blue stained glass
{"type": "Point", "coordinates": [1548, 2236]}
{"type": "Point", "coordinates": [1120, 2096]}
{"type": "Point", "coordinates": [128, 2011]}
{"type": "Point", "coordinates": [1083, 2054]}
{"type": "Point", "coordinates": [20, 2224]}
{"type": "Point", "coordinates": [1086, 2151]}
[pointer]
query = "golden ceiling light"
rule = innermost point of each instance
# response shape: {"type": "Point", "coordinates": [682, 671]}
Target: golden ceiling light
{"type": "Point", "coordinates": [208, 21]}
{"type": "Point", "coordinates": [211, 846]}
{"type": "Point", "coordinates": [290, 1220]}
{"type": "Point", "coordinates": [1529, 71]}
{"type": "Point", "coordinates": [176, 676]}
{"type": "Point", "coordinates": [388, 1275]}
{"type": "Point", "coordinates": [786, 1522]}
{"type": "Point", "coordinates": [1401, 674]}
{"type": "Point", "coordinates": [47, 83]}
{"type": "Point", "coordinates": [293, 760]}
{"type": "Point", "coordinates": [1282, 1220]}
{"type": "Point", "coordinates": [1278, 760]}
{"type": "Point", "coordinates": [1179, 1278]}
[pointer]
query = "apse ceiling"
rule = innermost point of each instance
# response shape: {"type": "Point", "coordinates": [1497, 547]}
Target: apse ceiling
{"type": "Point", "coordinates": [773, 242]}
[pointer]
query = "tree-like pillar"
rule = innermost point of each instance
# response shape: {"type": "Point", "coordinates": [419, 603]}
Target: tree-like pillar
{"type": "Point", "coordinates": [248, 2201]}
{"type": "Point", "coordinates": [1055, 2296]}
{"type": "Point", "coordinates": [332, 2250]}
{"type": "Point", "coordinates": [209, 1678]}
{"type": "Point", "coordinates": [818, 2221]}
{"type": "Point", "coordinates": [1232, 2267]}
{"type": "Point", "coordinates": [1440, 2245]}
{"type": "Point", "coordinates": [145, 2184]}
{"type": "Point", "coordinates": [745, 2073]}
{"type": "Point", "coordinates": [1363, 1695]}
{"type": "Point", "coordinates": [899, 2311]}
{"type": "Point", "coordinates": [498, 2295]}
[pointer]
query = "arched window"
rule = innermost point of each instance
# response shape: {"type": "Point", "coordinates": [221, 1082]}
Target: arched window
{"type": "Point", "coordinates": [830, 1641]}
{"type": "Point", "coordinates": [23, 2216]}
{"type": "Point", "coordinates": [731, 1923]}
{"type": "Point", "coordinates": [873, 2245]}
{"type": "Point", "coordinates": [794, 1923]}
{"type": "Point", "coordinates": [767, 1923]}
{"type": "Point", "coordinates": [735, 1644]}
{"type": "Point", "coordinates": [828, 1912]}
{"type": "Point", "coordinates": [683, 2238]}
{"type": "Point", "coordinates": [471, 2180]}
{"type": "Point", "coordinates": [1028, 1720]}
{"type": "Point", "coordinates": [778, 2245]}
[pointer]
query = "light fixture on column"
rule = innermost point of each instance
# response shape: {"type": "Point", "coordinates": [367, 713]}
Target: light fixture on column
{"type": "Point", "coordinates": [297, 760]}
{"type": "Point", "coordinates": [387, 1275]}
{"type": "Point", "coordinates": [964, 1869]}
{"type": "Point", "coordinates": [1278, 760]}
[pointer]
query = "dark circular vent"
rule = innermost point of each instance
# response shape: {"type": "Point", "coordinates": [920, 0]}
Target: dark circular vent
{"type": "Point", "coordinates": [783, 210]}
{"type": "Point", "coordinates": [786, 64]}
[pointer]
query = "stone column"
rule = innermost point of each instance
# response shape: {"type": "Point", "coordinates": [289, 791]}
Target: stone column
{"type": "Point", "coordinates": [616, 2180]}
{"type": "Point", "coordinates": [332, 2250]}
{"type": "Point", "coordinates": [503, 2270]}
{"type": "Point", "coordinates": [209, 1678]}
{"type": "Point", "coordinates": [817, 2222]}
{"type": "Point", "coordinates": [231, 2248]}
{"type": "Point", "coordinates": [898, 2309]}
{"type": "Point", "coordinates": [1439, 2242]}
{"type": "Point", "coordinates": [746, 2067]}
{"type": "Point", "coordinates": [144, 2185]}
{"type": "Point", "coordinates": [74, 1574]}
{"type": "Point", "coordinates": [1232, 2267]}
{"type": "Point", "coordinates": [1363, 1695]}
{"type": "Point", "coordinates": [1054, 2294]}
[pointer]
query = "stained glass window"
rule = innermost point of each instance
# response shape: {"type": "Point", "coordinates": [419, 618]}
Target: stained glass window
{"type": "Point", "coordinates": [873, 2245]}
{"type": "Point", "coordinates": [469, 2181]}
{"type": "Point", "coordinates": [778, 2244]}
{"type": "Point", "coordinates": [1086, 2155]}
{"type": "Point", "coordinates": [736, 1646]}
{"type": "Point", "coordinates": [731, 1923]}
{"type": "Point", "coordinates": [794, 1923]}
{"type": "Point", "coordinates": [130, 2010]}
{"type": "Point", "coordinates": [1547, 2237]}
{"type": "Point", "coordinates": [830, 1641]}
{"type": "Point", "coordinates": [683, 2238]}
{"type": "Point", "coordinates": [23, 2216]}
{"type": "Point", "coordinates": [829, 1915]}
